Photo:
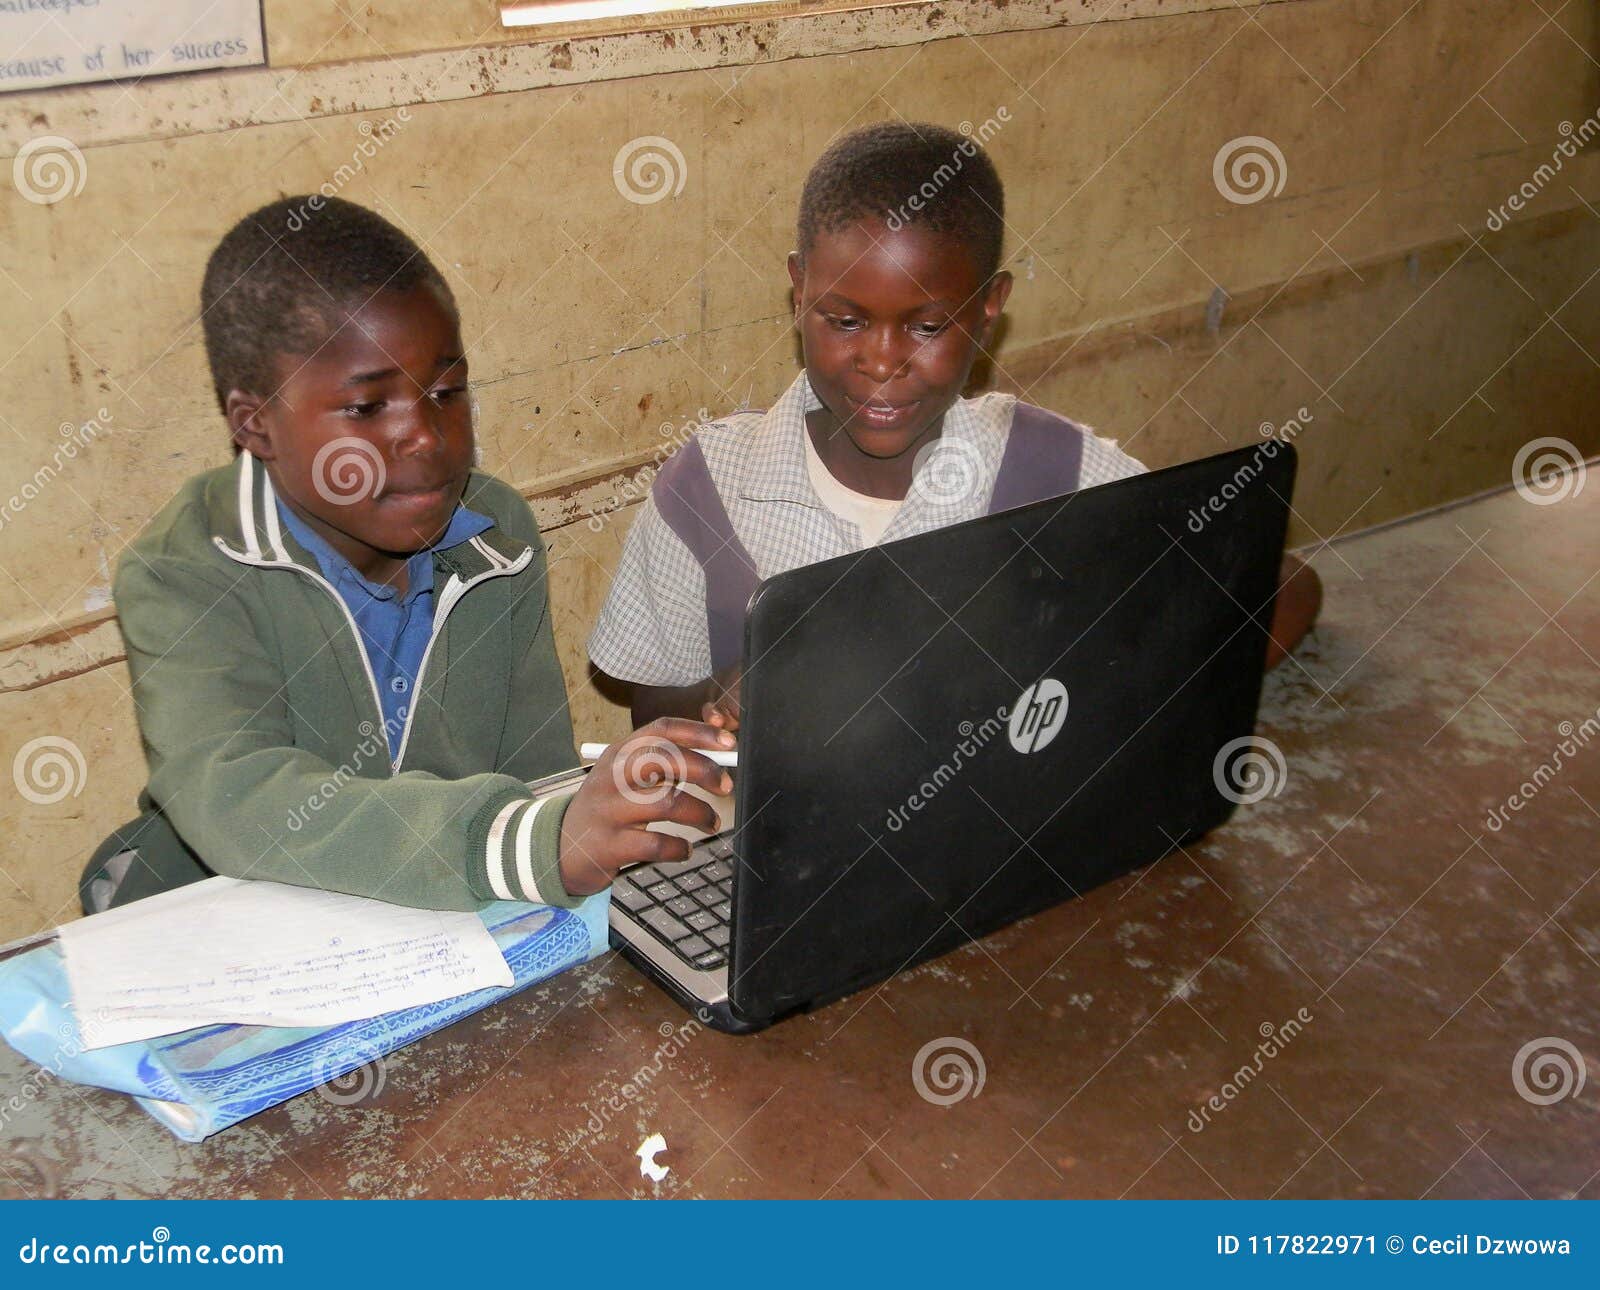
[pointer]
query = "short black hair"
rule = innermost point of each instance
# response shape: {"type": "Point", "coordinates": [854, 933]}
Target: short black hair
{"type": "Point", "coordinates": [277, 280]}
{"type": "Point", "coordinates": [907, 173]}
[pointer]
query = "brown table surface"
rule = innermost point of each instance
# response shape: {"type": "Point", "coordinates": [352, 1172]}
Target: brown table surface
{"type": "Point", "coordinates": [1426, 949]}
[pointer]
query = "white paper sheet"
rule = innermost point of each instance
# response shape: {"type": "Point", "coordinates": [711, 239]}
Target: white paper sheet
{"type": "Point", "coordinates": [262, 953]}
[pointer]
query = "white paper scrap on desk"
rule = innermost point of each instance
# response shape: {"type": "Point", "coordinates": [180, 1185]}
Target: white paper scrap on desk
{"type": "Point", "coordinates": [263, 953]}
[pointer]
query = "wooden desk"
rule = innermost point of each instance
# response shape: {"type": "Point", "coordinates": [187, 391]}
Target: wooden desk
{"type": "Point", "coordinates": [1426, 949]}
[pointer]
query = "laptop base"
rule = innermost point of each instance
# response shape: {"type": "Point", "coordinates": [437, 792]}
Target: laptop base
{"type": "Point", "coordinates": [718, 1015]}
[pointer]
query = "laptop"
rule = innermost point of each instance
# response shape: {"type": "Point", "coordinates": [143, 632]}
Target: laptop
{"type": "Point", "coordinates": [945, 734]}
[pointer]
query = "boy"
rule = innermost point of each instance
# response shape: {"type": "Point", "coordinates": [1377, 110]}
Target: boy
{"type": "Point", "coordinates": [340, 644]}
{"type": "Point", "coordinates": [896, 292]}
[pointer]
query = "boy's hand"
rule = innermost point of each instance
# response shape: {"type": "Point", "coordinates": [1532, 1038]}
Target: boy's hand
{"type": "Point", "coordinates": [722, 710]}
{"type": "Point", "coordinates": [637, 782]}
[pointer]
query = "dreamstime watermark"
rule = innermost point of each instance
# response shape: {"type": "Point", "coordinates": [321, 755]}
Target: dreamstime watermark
{"type": "Point", "coordinates": [636, 487]}
{"type": "Point", "coordinates": [372, 745]}
{"type": "Point", "coordinates": [49, 769]}
{"type": "Point", "coordinates": [1273, 440]}
{"type": "Point", "coordinates": [1574, 739]}
{"type": "Point", "coordinates": [1547, 471]}
{"type": "Point", "coordinates": [947, 472]}
{"type": "Point", "coordinates": [934, 184]}
{"type": "Point", "coordinates": [347, 470]}
{"type": "Point", "coordinates": [72, 1041]}
{"type": "Point", "coordinates": [647, 772]}
{"type": "Point", "coordinates": [1248, 769]}
{"type": "Point", "coordinates": [342, 1082]}
{"type": "Point", "coordinates": [648, 169]}
{"type": "Point", "coordinates": [74, 439]}
{"type": "Point", "coordinates": [1535, 184]}
{"type": "Point", "coordinates": [948, 1070]}
{"type": "Point", "coordinates": [49, 169]}
{"type": "Point", "coordinates": [1274, 1039]}
{"type": "Point", "coordinates": [1548, 1070]}
{"type": "Point", "coordinates": [632, 1091]}
{"type": "Point", "coordinates": [373, 140]}
{"type": "Point", "coordinates": [1249, 169]}
{"type": "Point", "coordinates": [973, 738]}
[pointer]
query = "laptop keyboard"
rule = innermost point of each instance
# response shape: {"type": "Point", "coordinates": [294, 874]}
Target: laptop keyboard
{"type": "Point", "coordinates": [687, 904]}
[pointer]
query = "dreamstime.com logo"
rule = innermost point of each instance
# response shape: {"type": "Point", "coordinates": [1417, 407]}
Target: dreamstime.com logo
{"type": "Point", "coordinates": [1548, 1070]}
{"type": "Point", "coordinates": [948, 1070]}
{"type": "Point", "coordinates": [373, 138]}
{"type": "Point", "coordinates": [1569, 147]}
{"type": "Point", "coordinates": [72, 1040]}
{"type": "Point", "coordinates": [1248, 769]}
{"type": "Point", "coordinates": [1249, 169]}
{"type": "Point", "coordinates": [49, 769]}
{"type": "Point", "coordinates": [1274, 1039]}
{"type": "Point", "coordinates": [973, 738]}
{"type": "Point", "coordinates": [633, 1090]}
{"type": "Point", "coordinates": [49, 169]}
{"type": "Point", "coordinates": [648, 169]}
{"type": "Point", "coordinates": [935, 183]}
{"type": "Point", "coordinates": [1574, 739]}
{"type": "Point", "coordinates": [75, 439]}
{"type": "Point", "coordinates": [1547, 471]}
{"type": "Point", "coordinates": [371, 746]}
{"type": "Point", "coordinates": [346, 471]}
{"type": "Point", "coordinates": [1273, 440]}
{"type": "Point", "coordinates": [636, 486]}
{"type": "Point", "coordinates": [160, 1249]}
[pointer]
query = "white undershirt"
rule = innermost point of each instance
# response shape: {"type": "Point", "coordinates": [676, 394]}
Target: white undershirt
{"type": "Point", "coordinates": [869, 514]}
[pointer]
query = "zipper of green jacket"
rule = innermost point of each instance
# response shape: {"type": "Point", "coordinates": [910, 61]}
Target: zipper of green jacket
{"type": "Point", "coordinates": [454, 589]}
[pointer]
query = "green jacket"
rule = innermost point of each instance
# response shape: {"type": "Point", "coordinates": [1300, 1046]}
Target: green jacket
{"type": "Point", "coordinates": [263, 729]}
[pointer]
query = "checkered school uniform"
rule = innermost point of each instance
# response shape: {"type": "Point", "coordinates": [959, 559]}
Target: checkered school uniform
{"type": "Point", "coordinates": [735, 505]}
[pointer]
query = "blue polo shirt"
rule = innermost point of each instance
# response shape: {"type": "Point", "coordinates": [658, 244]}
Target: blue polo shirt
{"type": "Point", "coordinates": [394, 628]}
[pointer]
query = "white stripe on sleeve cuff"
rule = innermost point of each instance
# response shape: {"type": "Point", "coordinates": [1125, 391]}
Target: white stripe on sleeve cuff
{"type": "Point", "coordinates": [519, 853]}
{"type": "Point", "coordinates": [494, 864]}
{"type": "Point", "coordinates": [524, 853]}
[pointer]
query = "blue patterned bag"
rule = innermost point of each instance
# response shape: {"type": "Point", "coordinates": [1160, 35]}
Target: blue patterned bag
{"type": "Point", "coordinates": [198, 1082]}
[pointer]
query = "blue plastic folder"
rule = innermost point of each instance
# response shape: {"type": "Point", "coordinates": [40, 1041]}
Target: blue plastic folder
{"type": "Point", "coordinates": [198, 1082]}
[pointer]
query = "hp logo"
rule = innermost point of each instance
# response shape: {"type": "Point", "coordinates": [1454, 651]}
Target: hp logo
{"type": "Point", "coordinates": [1037, 717]}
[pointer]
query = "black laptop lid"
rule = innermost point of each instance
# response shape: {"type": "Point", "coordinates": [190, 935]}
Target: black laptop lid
{"type": "Point", "coordinates": [950, 732]}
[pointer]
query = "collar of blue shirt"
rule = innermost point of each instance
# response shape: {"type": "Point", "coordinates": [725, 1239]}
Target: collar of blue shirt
{"type": "Point", "coordinates": [464, 525]}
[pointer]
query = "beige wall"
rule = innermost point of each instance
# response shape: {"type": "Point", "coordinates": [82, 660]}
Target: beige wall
{"type": "Point", "coordinates": [1368, 291]}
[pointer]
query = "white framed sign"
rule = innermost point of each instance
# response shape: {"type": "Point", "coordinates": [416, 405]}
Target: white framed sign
{"type": "Point", "coordinates": [69, 42]}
